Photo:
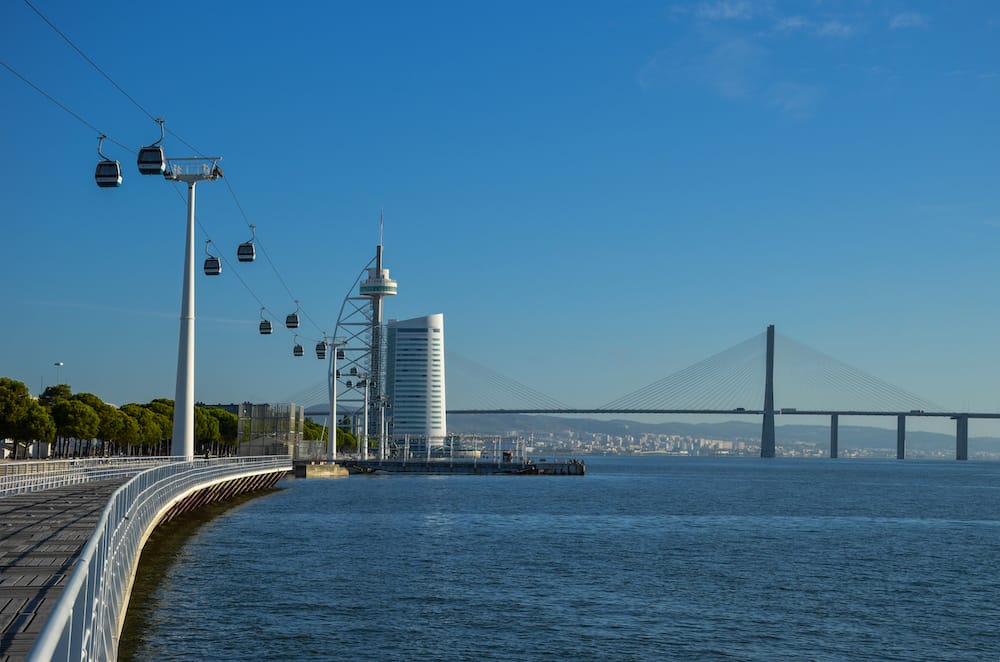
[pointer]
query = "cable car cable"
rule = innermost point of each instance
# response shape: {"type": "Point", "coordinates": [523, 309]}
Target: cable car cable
{"type": "Point", "coordinates": [91, 62]}
{"type": "Point", "coordinates": [64, 107]}
{"type": "Point", "coordinates": [158, 121]}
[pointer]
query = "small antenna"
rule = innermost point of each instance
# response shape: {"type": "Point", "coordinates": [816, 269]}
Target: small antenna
{"type": "Point", "coordinates": [380, 226]}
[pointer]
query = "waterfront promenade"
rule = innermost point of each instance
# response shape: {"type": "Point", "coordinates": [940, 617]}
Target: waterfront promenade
{"type": "Point", "coordinates": [71, 532]}
{"type": "Point", "coordinates": [41, 535]}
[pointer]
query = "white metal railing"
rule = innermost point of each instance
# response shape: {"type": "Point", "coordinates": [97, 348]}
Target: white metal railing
{"type": "Point", "coordinates": [85, 622]}
{"type": "Point", "coordinates": [18, 477]}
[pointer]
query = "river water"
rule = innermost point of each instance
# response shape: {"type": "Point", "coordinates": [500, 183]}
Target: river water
{"type": "Point", "coordinates": [645, 558]}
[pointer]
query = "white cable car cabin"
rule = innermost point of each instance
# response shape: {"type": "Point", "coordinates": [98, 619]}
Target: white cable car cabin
{"type": "Point", "coordinates": [265, 327]}
{"type": "Point", "coordinates": [321, 350]}
{"type": "Point", "coordinates": [297, 350]}
{"type": "Point", "coordinates": [292, 321]}
{"type": "Point", "coordinates": [340, 355]}
{"type": "Point", "coordinates": [108, 173]}
{"type": "Point", "coordinates": [213, 266]}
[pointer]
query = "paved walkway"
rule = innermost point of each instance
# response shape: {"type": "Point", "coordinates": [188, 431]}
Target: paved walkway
{"type": "Point", "coordinates": [41, 535]}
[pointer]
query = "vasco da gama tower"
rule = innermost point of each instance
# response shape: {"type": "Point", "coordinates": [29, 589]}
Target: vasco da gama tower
{"type": "Point", "coordinates": [415, 384]}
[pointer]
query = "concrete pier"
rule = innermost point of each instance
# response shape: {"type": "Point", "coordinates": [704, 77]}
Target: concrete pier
{"type": "Point", "coordinates": [961, 437]}
{"type": "Point", "coordinates": [900, 437]}
{"type": "Point", "coordinates": [320, 470]}
{"type": "Point", "coordinates": [466, 467]}
{"type": "Point", "coordinates": [834, 424]}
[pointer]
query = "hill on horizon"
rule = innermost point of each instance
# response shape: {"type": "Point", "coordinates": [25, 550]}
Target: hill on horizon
{"type": "Point", "coordinates": [849, 436]}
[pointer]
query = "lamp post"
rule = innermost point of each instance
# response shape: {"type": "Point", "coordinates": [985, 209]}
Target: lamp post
{"type": "Point", "coordinates": [191, 171]}
{"type": "Point", "coordinates": [58, 365]}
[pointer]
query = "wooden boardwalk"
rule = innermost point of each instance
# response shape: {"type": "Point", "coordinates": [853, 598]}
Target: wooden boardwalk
{"type": "Point", "coordinates": [41, 535]}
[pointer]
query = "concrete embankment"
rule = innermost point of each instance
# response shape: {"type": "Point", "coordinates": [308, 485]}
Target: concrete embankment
{"type": "Point", "coordinates": [479, 468]}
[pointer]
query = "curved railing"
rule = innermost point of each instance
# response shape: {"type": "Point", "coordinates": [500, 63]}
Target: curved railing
{"type": "Point", "coordinates": [86, 621]}
{"type": "Point", "coordinates": [28, 476]}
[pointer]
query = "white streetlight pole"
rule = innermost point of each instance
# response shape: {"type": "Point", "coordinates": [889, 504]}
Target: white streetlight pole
{"type": "Point", "coordinates": [58, 365]}
{"type": "Point", "coordinates": [182, 443]}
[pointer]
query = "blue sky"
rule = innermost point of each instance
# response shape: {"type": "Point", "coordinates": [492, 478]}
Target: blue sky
{"type": "Point", "coordinates": [595, 194]}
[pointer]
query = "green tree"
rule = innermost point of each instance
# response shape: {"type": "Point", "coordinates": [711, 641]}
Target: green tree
{"type": "Point", "coordinates": [150, 432]}
{"type": "Point", "coordinates": [313, 430]}
{"type": "Point", "coordinates": [36, 425]}
{"type": "Point", "coordinates": [206, 427]}
{"type": "Point", "coordinates": [75, 419]}
{"type": "Point", "coordinates": [14, 402]}
{"type": "Point", "coordinates": [120, 429]}
{"type": "Point", "coordinates": [110, 428]}
{"type": "Point", "coordinates": [228, 424]}
{"type": "Point", "coordinates": [53, 394]}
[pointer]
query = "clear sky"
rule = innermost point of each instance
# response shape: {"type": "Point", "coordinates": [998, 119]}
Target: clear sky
{"type": "Point", "coordinates": [595, 194]}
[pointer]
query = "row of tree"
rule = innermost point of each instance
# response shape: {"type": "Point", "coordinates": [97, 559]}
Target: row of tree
{"type": "Point", "coordinates": [82, 424]}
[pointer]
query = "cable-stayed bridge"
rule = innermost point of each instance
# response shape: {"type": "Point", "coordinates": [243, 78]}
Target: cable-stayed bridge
{"type": "Point", "coordinates": [745, 379]}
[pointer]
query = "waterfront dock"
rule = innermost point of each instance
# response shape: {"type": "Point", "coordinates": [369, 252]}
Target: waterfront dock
{"type": "Point", "coordinates": [41, 536]}
{"type": "Point", "coordinates": [470, 467]}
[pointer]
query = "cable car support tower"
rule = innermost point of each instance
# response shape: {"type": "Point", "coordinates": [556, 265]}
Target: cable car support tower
{"type": "Point", "coordinates": [191, 171]}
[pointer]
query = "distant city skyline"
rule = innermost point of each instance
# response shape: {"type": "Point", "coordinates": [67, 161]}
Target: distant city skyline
{"type": "Point", "coordinates": [596, 197]}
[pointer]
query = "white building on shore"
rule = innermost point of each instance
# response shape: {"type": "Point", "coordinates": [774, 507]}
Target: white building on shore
{"type": "Point", "coordinates": [415, 384]}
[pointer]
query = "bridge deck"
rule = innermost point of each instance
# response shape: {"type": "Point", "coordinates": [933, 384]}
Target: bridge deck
{"type": "Point", "coordinates": [41, 535]}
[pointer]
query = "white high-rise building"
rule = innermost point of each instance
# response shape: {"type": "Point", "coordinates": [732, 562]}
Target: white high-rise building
{"type": "Point", "coordinates": [414, 378]}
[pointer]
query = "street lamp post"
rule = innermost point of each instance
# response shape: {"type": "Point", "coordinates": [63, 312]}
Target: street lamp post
{"type": "Point", "coordinates": [58, 365]}
{"type": "Point", "coordinates": [191, 171]}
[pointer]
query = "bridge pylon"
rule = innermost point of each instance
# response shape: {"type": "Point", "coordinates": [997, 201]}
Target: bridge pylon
{"type": "Point", "coordinates": [767, 431]}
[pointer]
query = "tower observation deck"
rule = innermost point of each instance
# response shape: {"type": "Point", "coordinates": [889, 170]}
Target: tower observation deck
{"type": "Point", "coordinates": [362, 371]}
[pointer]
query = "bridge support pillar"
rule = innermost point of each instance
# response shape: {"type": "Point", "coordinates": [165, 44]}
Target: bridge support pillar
{"type": "Point", "coordinates": [767, 431]}
{"type": "Point", "coordinates": [961, 437]}
{"type": "Point", "coordinates": [900, 437]}
{"type": "Point", "coordinates": [833, 435]}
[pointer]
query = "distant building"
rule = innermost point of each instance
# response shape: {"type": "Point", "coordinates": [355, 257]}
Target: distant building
{"type": "Point", "coordinates": [415, 385]}
{"type": "Point", "coordinates": [267, 429]}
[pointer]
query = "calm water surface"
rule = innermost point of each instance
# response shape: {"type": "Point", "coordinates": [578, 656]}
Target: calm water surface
{"type": "Point", "coordinates": [647, 558]}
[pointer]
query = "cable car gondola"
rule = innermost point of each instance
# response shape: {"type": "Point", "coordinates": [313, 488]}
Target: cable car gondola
{"type": "Point", "coordinates": [213, 266]}
{"type": "Point", "coordinates": [108, 173]}
{"type": "Point", "coordinates": [297, 350]}
{"type": "Point", "coordinates": [340, 355]}
{"type": "Point", "coordinates": [246, 252]}
{"type": "Point", "coordinates": [292, 320]}
{"type": "Point", "coordinates": [151, 160]}
{"type": "Point", "coordinates": [321, 350]}
{"type": "Point", "coordinates": [265, 324]}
